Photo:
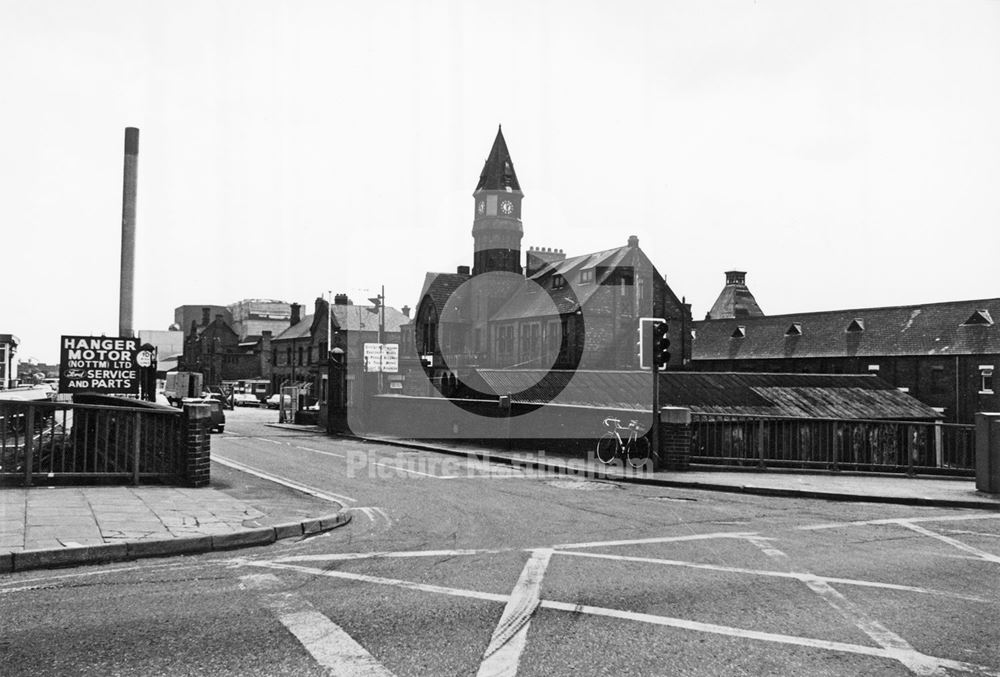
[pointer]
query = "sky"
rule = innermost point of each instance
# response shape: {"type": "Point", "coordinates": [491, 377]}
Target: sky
{"type": "Point", "coordinates": [845, 153]}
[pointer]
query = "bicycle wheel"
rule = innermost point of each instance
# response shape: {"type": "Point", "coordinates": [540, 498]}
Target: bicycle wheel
{"type": "Point", "coordinates": [607, 447]}
{"type": "Point", "coordinates": [638, 452]}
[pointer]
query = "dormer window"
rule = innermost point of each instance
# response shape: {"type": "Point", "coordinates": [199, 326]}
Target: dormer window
{"type": "Point", "coordinates": [794, 330]}
{"type": "Point", "coordinates": [739, 332]}
{"type": "Point", "coordinates": [857, 324]}
{"type": "Point", "coordinates": [558, 281]}
{"type": "Point", "coordinates": [986, 379]}
{"type": "Point", "coordinates": [981, 318]}
{"type": "Point", "coordinates": [587, 276]}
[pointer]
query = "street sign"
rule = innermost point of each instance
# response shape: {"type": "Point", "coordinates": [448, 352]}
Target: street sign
{"type": "Point", "coordinates": [382, 357]}
{"type": "Point", "coordinates": [99, 364]}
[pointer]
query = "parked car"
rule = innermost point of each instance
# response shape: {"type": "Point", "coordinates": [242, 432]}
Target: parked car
{"type": "Point", "coordinates": [276, 400]}
{"type": "Point", "coordinates": [246, 400]}
{"type": "Point", "coordinates": [215, 408]}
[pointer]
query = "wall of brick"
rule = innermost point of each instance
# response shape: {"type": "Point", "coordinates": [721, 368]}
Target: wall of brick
{"type": "Point", "coordinates": [196, 445]}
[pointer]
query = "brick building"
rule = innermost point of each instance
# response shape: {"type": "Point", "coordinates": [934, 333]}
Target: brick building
{"type": "Point", "coordinates": [944, 354]}
{"type": "Point", "coordinates": [556, 312]}
{"type": "Point", "coordinates": [214, 349]}
{"type": "Point", "coordinates": [300, 353]}
{"type": "Point", "coordinates": [252, 317]}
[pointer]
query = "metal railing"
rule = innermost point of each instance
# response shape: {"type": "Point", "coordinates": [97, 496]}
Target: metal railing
{"type": "Point", "coordinates": [42, 441]}
{"type": "Point", "coordinates": [833, 444]}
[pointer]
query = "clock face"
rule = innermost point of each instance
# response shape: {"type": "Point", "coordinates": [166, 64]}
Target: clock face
{"type": "Point", "coordinates": [507, 207]}
{"type": "Point", "coordinates": [481, 208]}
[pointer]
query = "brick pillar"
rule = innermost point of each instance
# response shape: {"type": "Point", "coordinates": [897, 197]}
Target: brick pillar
{"type": "Point", "coordinates": [675, 438]}
{"type": "Point", "coordinates": [197, 444]}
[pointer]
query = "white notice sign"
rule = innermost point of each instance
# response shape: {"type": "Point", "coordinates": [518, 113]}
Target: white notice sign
{"type": "Point", "coordinates": [382, 357]}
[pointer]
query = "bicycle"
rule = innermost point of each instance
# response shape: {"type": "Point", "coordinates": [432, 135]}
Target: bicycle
{"type": "Point", "coordinates": [633, 448]}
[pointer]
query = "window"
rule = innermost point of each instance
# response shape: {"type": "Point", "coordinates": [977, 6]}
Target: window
{"type": "Point", "coordinates": [300, 355]}
{"type": "Point", "coordinates": [938, 383]}
{"type": "Point", "coordinates": [505, 340]}
{"type": "Point", "coordinates": [856, 325]}
{"type": "Point", "coordinates": [795, 329]}
{"type": "Point", "coordinates": [531, 340]}
{"type": "Point", "coordinates": [739, 332]}
{"type": "Point", "coordinates": [558, 281]}
{"type": "Point", "coordinates": [587, 276]}
{"type": "Point", "coordinates": [986, 379]}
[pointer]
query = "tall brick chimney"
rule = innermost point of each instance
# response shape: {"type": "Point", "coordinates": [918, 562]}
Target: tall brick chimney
{"type": "Point", "coordinates": [296, 314]}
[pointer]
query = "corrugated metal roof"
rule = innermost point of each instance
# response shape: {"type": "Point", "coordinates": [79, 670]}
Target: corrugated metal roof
{"type": "Point", "coordinates": [804, 395]}
{"type": "Point", "coordinates": [930, 329]}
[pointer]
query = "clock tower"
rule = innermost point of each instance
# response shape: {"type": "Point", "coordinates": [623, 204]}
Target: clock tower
{"type": "Point", "coordinates": [496, 225]}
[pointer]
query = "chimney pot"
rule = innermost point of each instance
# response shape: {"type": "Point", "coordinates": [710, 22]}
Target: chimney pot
{"type": "Point", "coordinates": [405, 310]}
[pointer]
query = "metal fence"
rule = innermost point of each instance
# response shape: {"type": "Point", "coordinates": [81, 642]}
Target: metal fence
{"type": "Point", "coordinates": [833, 444]}
{"type": "Point", "coordinates": [42, 441]}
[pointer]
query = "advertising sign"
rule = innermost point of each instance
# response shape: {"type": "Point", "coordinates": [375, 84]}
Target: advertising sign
{"type": "Point", "coordinates": [382, 357]}
{"type": "Point", "coordinates": [99, 364]}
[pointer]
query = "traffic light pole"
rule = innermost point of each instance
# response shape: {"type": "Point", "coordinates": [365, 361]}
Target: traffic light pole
{"type": "Point", "coordinates": [655, 434]}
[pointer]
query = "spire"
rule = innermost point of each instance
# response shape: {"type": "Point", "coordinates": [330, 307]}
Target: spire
{"type": "Point", "coordinates": [498, 172]}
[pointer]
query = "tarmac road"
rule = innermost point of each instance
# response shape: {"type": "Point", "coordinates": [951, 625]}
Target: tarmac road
{"type": "Point", "coordinates": [452, 568]}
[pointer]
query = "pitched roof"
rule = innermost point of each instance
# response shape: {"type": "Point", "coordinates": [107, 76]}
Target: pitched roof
{"type": "Point", "coordinates": [799, 395]}
{"type": "Point", "coordinates": [300, 330]}
{"type": "Point", "coordinates": [735, 299]}
{"type": "Point", "coordinates": [366, 318]}
{"type": "Point", "coordinates": [498, 170]}
{"type": "Point", "coordinates": [532, 301]}
{"type": "Point", "coordinates": [440, 287]}
{"type": "Point", "coordinates": [929, 329]}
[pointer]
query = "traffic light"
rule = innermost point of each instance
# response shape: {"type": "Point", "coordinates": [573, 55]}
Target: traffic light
{"type": "Point", "coordinates": [646, 341]}
{"type": "Point", "coordinates": [661, 344]}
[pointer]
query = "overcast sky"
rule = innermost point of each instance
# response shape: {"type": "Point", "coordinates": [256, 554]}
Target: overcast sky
{"type": "Point", "coordinates": [846, 154]}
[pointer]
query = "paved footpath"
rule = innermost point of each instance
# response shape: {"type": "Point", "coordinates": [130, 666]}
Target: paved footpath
{"type": "Point", "coordinates": [59, 526]}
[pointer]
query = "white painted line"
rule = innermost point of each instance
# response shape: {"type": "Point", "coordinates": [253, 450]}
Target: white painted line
{"type": "Point", "coordinates": [374, 514]}
{"type": "Point", "coordinates": [503, 654]}
{"type": "Point", "coordinates": [320, 451]}
{"type": "Point", "coordinates": [897, 520]}
{"type": "Point", "coordinates": [339, 557]}
{"type": "Point", "coordinates": [268, 439]}
{"type": "Point", "coordinates": [793, 640]}
{"type": "Point", "coordinates": [326, 642]}
{"type": "Point", "coordinates": [661, 539]}
{"type": "Point", "coordinates": [665, 621]}
{"type": "Point", "coordinates": [325, 495]}
{"type": "Point", "coordinates": [777, 574]}
{"type": "Point", "coordinates": [955, 543]}
{"type": "Point", "coordinates": [916, 662]}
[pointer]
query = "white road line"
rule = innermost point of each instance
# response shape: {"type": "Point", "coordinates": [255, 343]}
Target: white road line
{"type": "Point", "coordinates": [916, 662]}
{"type": "Point", "coordinates": [776, 574]}
{"type": "Point", "coordinates": [326, 642]}
{"type": "Point", "coordinates": [415, 472]}
{"type": "Point", "coordinates": [325, 495]}
{"type": "Point", "coordinates": [660, 539]}
{"type": "Point", "coordinates": [374, 514]}
{"type": "Point", "coordinates": [896, 520]}
{"type": "Point", "coordinates": [320, 451]}
{"type": "Point", "coordinates": [665, 621]}
{"type": "Point", "coordinates": [955, 543]}
{"type": "Point", "coordinates": [338, 557]}
{"type": "Point", "coordinates": [503, 654]}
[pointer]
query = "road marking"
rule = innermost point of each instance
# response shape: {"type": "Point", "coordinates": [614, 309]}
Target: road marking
{"type": "Point", "coordinates": [777, 574]}
{"type": "Point", "coordinates": [660, 539]}
{"type": "Point", "coordinates": [339, 557]}
{"type": "Point", "coordinates": [374, 514]}
{"type": "Point", "coordinates": [325, 495]}
{"type": "Point", "coordinates": [896, 520]}
{"type": "Point", "coordinates": [326, 642]}
{"type": "Point", "coordinates": [320, 451]}
{"type": "Point", "coordinates": [955, 543]}
{"type": "Point", "coordinates": [665, 621]}
{"type": "Point", "coordinates": [415, 472]}
{"type": "Point", "coordinates": [916, 662]}
{"type": "Point", "coordinates": [503, 654]}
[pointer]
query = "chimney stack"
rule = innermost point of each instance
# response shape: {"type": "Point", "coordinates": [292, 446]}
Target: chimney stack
{"type": "Point", "coordinates": [296, 314]}
{"type": "Point", "coordinates": [463, 270]}
{"type": "Point", "coordinates": [341, 300]}
{"type": "Point", "coordinates": [127, 275]}
{"type": "Point", "coordinates": [405, 310]}
{"type": "Point", "coordinates": [205, 316]}
{"type": "Point", "coordinates": [633, 241]}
